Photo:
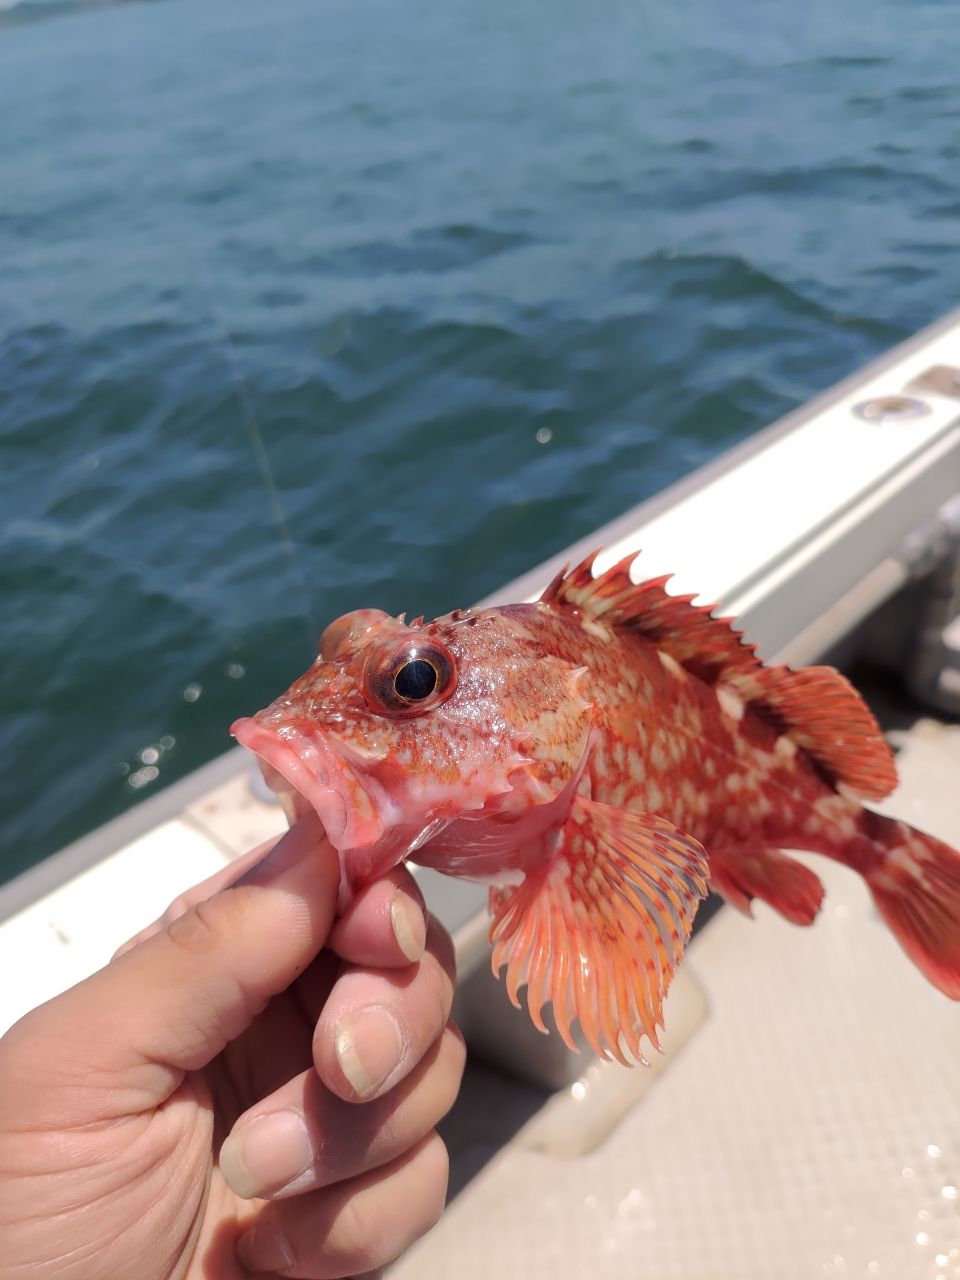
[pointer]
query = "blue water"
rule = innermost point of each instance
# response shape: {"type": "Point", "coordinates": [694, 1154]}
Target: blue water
{"type": "Point", "coordinates": [309, 305]}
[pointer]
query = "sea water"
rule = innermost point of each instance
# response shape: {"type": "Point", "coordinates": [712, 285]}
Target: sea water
{"type": "Point", "coordinates": [317, 304]}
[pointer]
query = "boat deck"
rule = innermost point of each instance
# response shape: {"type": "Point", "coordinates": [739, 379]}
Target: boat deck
{"type": "Point", "coordinates": [804, 1121]}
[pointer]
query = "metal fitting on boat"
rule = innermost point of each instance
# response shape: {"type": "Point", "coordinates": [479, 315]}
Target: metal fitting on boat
{"type": "Point", "coordinates": [896, 408]}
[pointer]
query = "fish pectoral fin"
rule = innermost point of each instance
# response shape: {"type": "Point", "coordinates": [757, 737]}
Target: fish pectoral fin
{"type": "Point", "coordinates": [741, 875]}
{"type": "Point", "coordinates": [600, 926]}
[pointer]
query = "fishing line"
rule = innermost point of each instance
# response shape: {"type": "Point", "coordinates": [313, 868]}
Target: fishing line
{"type": "Point", "coordinates": [259, 447]}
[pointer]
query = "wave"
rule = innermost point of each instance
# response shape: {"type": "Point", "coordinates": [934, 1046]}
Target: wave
{"type": "Point", "coordinates": [18, 12]}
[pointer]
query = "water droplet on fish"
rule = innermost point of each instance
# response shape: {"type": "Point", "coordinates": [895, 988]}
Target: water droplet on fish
{"type": "Point", "coordinates": [192, 692]}
{"type": "Point", "coordinates": [544, 435]}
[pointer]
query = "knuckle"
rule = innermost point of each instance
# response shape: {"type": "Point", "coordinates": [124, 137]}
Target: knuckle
{"type": "Point", "coordinates": [200, 929]}
{"type": "Point", "coordinates": [372, 1231]}
{"type": "Point", "coordinates": [359, 1235]}
{"type": "Point", "coordinates": [178, 907]}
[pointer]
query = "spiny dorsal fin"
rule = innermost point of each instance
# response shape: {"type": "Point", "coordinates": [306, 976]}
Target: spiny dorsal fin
{"type": "Point", "coordinates": [704, 645]}
{"type": "Point", "coordinates": [815, 707]}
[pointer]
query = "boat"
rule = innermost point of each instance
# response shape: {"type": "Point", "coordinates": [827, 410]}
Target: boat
{"type": "Point", "coordinates": [803, 1119]}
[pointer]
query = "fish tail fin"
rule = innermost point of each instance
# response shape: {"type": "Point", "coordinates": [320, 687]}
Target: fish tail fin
{"type": "Point", "coordinates": [915, 883]}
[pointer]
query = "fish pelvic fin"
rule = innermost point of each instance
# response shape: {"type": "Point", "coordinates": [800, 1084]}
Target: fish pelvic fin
{"type": "Point", "coordinates": [741, 875]}
{"type": "Point", "coordinates": [599, 927]}
{"type": "Point", "coordinates": [916, 885]}
{"type": "Point", "coordinates": [815, 708]}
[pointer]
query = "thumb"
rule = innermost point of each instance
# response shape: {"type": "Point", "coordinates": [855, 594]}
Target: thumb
{"type": "Point", "coordinates": [172, 1003]}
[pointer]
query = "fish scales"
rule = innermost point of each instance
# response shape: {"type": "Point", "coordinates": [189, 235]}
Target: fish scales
{"type": "Point", "coordinates": [718, 776]}
{"type": "Point", "coordinates": [597, 758]}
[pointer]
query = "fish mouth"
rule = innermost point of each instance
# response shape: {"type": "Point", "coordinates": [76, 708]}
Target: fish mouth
{"type": "Point", "coordinates": [308, 774]}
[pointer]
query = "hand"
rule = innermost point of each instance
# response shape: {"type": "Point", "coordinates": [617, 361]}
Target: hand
{"type": "Point", "coordinates": [234, 1019]}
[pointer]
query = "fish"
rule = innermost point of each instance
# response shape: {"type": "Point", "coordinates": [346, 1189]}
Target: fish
{"type": "Point", "coordinates": [599, 758]}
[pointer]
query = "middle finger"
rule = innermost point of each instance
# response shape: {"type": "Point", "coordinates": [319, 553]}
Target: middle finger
{"type": "Point", "coordinates": [377, 1024]}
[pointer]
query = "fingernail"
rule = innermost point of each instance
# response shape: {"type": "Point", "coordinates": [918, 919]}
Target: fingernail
{"type": "Point", "coordinates": [265, 1153]}
{"type": "Point", "coordinates": [409, 927]}
{"type": "Point", "coordinates": [370, 1046]}
{"type": "Point", "coordinates": [265, 1248]}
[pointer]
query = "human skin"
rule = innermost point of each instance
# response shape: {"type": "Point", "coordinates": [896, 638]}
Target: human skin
{"type": "Point", "coordinates": [249, 1086]}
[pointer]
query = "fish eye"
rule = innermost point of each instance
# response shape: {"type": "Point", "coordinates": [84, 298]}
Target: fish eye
{"type": "Point", "coordinates": [416, 680]}
{"type": "Point", "coordinates": [406, 677]}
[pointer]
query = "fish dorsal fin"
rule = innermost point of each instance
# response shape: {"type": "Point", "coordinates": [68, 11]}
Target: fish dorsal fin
{"type": "Point", "coordinates": [822, 713]}
{"type": "Point", "coordinates": [599, 928]}
{"type": "Point", "coordinates": [688, 632]}
{"type": "Point", "coordinates": [816, 708]}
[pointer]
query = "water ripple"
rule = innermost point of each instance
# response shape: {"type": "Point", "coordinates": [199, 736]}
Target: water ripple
{"type": "Point", "coordinates": [475, 279]}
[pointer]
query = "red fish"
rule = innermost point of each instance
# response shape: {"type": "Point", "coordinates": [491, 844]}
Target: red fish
{"type": "Point", "coordinates": [598, 758]}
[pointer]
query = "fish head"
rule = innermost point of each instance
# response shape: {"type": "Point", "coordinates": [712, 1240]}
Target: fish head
{"type": "Point", "coordinates": [398, 730]}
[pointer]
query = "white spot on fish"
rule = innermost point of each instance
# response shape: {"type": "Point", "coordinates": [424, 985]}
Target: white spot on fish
{"type": "Point", "coordinates": [785, 746]}
{"type": "Point", "coordinates": [902, 859]}
{"type": "Point", "coordinates": [594, 628]}
{"type": "Point", "coordinates": [637, 767]}
{"type": "Point", "coordinates": [654, 798]}
{"type": "Point", "coordinates": [670, 664]}
{"type": "Point", "coordinates": [730, 704]}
